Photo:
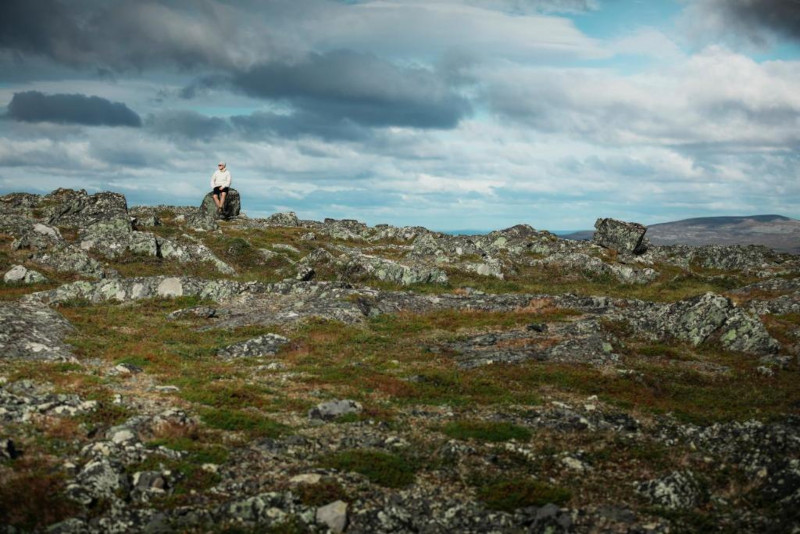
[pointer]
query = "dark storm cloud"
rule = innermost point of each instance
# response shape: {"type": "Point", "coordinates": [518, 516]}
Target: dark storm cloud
{"type": "Point", "coordinates": [187, 125]}
{"type": "Point", "coordinates": [33, 106]}
{"type": "Point", "coordinates": [359, 87]}
{"type": "Point", "coordinates": [122, 35]}
{"type": "Point", "coordinates": [782, 16]}
{"type": "Point", "coordinates": [38, 26]}
{"type": "Point", "coordinates": [299, 124]}
{"type": "Point", "coordinates": [752, 19]}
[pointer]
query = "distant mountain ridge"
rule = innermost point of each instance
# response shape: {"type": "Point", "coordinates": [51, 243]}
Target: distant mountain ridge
{"type": "Point", "coordinates": [774, 231]}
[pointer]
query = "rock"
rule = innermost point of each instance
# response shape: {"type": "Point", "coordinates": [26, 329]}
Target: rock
{"type": "Point", "coordinates": [19, 274]}
{"type": "Point", "coordinates": [8, 451]}
{"type": "Point", "coordinates": [202, 219]}
{"type": "Point", "coordinates": [190, 251]}
{"type": "Point", "coordinates": [106, 211]}
{"type": "Point", "coordinates": [101, 479]}
{"type": "Point", "coordinates": [305, 273]}
{"type": "Point", "coordinates": [698, 319]}
{"type": "Point", "coordinates": [679, 490]}
{"type": "Point", "coordinates": [288, 218]}
{"type": "Point", "coordinates": [266, 345]}
{"type": "Point", "coordinates": [307, 478]}
{"type": "Point", "coordinates": [621, 236]}
{"type": "Point", "coordinates": [35, 332]}
{"type": "Point", "coordinates": [333, 515]}
{"type": "Point", "coordinates": [359, 266]}
{"type": "Point", "coordinates": [170, 287]}
{"type": "Point", "coordinates": [232, 207]}
{"type": "Point", "coordinates": [328, 411]}
{"type": "Point", "coordinates": [69, 259]}
{"type": "Point", "coordinates": [130, 289]}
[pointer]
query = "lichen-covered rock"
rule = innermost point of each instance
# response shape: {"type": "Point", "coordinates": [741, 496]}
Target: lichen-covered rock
{"type": "Point", "coordinates": [20, 274]}
{"type": "Point", "coordinates": [582, 342]}
{"type": "Point", "coordinates": [330, 410]}
{"type": "Point", "coordinates": [288, 218]}
{"type": "Point", "coordinates": [77, 209]}
{"type": "Point", "coordinates": [33, 332]}
{"type": "Point", "coordinates": [584, 263]}
{"type": "Point", "coordinates": [625, 237]}
{"type": "Point", "coordinates": [29, 234]}
{"type": "Point", "coordinates": [69, 259]}
{"type": "Point", "coordinates": [266, 345]}
{"type": "Point", "coordinates": [232, 207]}
{"type": "Point", "coordinates": [19, 204]}
{"type": "Point", "coordinates": [190, 250]}
{"type": "Point", "coordinates": [357, 266]}
{"type": "Point", "coordinates": [130, 289]}
{"type": "Point", "coordinates": [200, 220]}
{"type": "Point", "coordinates": [701, 319]}
{"type": "Point", "coordinates": [680, 490]}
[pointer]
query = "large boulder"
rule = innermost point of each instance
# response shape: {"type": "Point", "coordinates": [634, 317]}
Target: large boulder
{"type": "Point", "coordinates": [78, 209]}
{"type": "Point", "coordinates": [625, 237]}
{"type": "Point", "coordinates": [232, 208]}
{"type": "Point", "coordinates": [31, 331]}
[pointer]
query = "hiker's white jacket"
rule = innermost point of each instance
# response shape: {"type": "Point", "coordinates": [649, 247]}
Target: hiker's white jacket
{"type": "Point", "coordinates": [221, 178]}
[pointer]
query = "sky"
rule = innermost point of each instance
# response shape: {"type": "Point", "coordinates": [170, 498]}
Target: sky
{"type": "Point", "coordinates": [449, 114]}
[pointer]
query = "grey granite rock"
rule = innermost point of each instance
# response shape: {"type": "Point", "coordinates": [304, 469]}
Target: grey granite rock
{"type": "Point", "coordinates": [257, 347]}
{"type": "Point", "coordinates": [328, 411]}
{"type": "Point", "coordinates": [20, 274]}
{"type": "Point", "coordinates": [32, 331]}
{"type": "Point", "coordinates": [680, 490]}
{"type": "Point", "coordinates": [232, 207]}
{"type": "Point", "coordinates": [625, 237]}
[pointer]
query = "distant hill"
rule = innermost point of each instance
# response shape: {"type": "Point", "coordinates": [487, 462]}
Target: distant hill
{"type": "Point", "coordinates": [774, 231]}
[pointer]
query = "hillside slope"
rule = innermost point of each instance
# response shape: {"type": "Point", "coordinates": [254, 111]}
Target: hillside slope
{"type": "Point", "coordinates": [171, 369]}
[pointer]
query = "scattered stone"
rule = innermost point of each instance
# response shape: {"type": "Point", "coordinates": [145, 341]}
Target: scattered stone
{"type": "Point", "coordinates": [327, 411]}
{"type": "Point", "coordinates": [679, 490]}
{"type": "Point", "coordinates": [333, 515]}
{"type": "Point", "coordinates": [8, 450]}
{"type": "Point", "coordinates": [257, 347]}
{"type": "Point", "coordinates": [307, 478]}
{"type": "Point", "coordinates": [288, 218]}
{"type": "Point", "coordinates": [20, 274]}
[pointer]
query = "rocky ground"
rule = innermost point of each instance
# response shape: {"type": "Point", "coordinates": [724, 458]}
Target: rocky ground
{"type": "Point", "coordinates": [169, 369]}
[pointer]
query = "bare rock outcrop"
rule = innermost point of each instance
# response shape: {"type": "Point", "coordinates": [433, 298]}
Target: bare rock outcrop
{"type": "Point", "coordinates": [32, 331]}
{"type": "Point", "coordinates": [624, 237]}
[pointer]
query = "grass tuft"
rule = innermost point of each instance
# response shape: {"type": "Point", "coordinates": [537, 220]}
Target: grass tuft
{"type": "Point", "coordinates": [382, 468]}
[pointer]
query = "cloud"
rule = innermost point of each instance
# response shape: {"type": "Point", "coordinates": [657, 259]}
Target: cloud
{"type": "Point", "coordinates": [715, 98]}
{"type": "Point", "coordinates": [362, 88]}
{"type": "Point", "coordinates": [187, 125]}
{"type": "Point", "coordinates": [755, 21]}
{"type": "Point", "coordinates": [134, 35]}
{"type": "Point", "coordinates": [33, 106]}
{"type": "Point", "coordinates": [537, 6]}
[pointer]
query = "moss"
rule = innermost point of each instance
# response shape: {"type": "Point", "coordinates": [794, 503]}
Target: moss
{"type": "Point", "coordinates": [509, 495]}
{"type": "Point", "coordinates": [389, 470]}
{"type": "Point", "coordinates": [254, 424]}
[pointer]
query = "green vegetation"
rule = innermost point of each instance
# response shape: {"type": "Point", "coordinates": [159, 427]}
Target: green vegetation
{"type": "Point", "coordinates": [254, 424]}
{"type": "Point", "coordinates": [509, 495]}
{"type": "Point", "coordinates": [381, 468]}
{"type": "Point", "coordinates": [32, 495]}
